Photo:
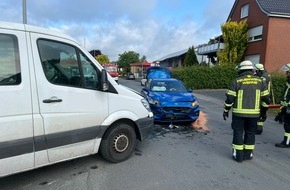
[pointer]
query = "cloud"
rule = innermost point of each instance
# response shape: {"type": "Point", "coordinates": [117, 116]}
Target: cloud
{"type": "Point", "coordinates": [216, 13]}
{"type": "Point", "coordinates": [152, 28]}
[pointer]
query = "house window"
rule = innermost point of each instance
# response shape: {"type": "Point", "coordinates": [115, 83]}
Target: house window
{"type": "Point", "coordinates": [245, 11]}
{"type": "Point", "coordinates": [253, 58]}
{"type": "Point", "coordinates": [255, 34]}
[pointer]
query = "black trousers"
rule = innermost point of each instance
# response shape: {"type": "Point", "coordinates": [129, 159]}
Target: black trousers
{"type": "Point", "coordinates": [287, 123]}
{"type": "Point", "coordinates": [244, 130]}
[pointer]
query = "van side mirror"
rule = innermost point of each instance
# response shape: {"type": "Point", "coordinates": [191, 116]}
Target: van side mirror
{"type": "Point", "coordinates": [105, 82]}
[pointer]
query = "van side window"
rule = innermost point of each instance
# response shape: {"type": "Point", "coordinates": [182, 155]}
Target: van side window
{"type": "Point", "coordinates": [64, 64]}
{"type": "Point", "coordinates": [10, 72]}
{"type": "Point", "coordinates": [91, 76]}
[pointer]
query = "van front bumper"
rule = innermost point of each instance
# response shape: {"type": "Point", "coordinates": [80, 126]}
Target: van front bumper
{"type": "Point", "coordinates": [145, 126]}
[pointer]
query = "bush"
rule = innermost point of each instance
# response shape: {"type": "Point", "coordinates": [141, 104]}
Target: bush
{"type": "Point", "coordinates": [219, 77]}
{"type": "Point", "coordinates": [203, 77]}
{"type": "Point", "coordinates": [278, 83]}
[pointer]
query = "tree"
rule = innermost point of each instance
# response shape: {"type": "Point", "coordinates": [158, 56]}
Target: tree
{"type": "Point", "coordinates": [143, 58]}
{"type": "Point", "coordinates": [190, 58]}
{"type": "Point", "coordinates": [95, 53]}
{"type": "Point", "coordinates": [235, 36]}
{"type": "Point", "coordinates": [102, 59]}
{"type": "Point", "coordinates": [126, 58]}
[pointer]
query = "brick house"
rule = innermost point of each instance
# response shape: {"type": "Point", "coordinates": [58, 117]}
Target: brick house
{"type": "Point", "coordinates": [268, 30]}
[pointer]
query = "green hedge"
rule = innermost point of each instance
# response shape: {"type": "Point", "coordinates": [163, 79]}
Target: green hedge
{"type": "Point", "coordinates": [278, 83]}
{"type": "Point", "coordinates": [219, 77]}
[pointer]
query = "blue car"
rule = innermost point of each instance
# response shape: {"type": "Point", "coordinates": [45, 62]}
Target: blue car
{"type": "Point", "coordinates": [170, 101]}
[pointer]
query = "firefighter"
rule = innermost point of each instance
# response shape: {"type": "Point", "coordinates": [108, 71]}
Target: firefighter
{"type": "Point", "coordinates": [249, 97]}
{"type": "Point", "coordinates": [263, 74]}
{"type": "Point", "coordinates": [284, 114]}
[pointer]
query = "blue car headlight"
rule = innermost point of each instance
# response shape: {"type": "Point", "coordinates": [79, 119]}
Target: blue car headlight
{"type": "Point", "coordinates": [153, 102]}
{"type": "Point", "coordinates": [194, 103]}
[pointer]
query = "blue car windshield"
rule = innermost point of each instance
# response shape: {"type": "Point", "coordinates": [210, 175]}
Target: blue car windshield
{"type": "Point", "coordinates": [167, 86]}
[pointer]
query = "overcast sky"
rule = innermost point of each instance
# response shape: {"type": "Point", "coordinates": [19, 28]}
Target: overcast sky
{"type": "Point", "coordinates": [154, 28]}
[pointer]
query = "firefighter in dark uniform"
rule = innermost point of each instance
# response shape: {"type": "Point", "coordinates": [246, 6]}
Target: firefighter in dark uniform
{"type": "Point", "coordinates": [263, 74]}
{"type": "Point", "coordinates": [249, 97]}
{"type": "Point", "coordinates": [284, 114]}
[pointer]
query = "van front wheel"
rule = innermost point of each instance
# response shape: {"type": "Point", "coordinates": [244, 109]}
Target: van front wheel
{"type": "Point", "coordinates": [118, 143]}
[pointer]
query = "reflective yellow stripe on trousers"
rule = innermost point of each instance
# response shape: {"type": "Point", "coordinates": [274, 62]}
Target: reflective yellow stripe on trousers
{"type": "Point", "coordinates": [238, 147]}
{"type": "Point", "coordinates": [249, 147]}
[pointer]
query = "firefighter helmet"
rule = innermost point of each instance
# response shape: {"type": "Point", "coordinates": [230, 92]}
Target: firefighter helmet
{"type": "Point", "coordinates": [259, 67]}
{"type": "Point", "coordinates": [246, 65]}
{"type": "Point", "coordinates": [286, 67]}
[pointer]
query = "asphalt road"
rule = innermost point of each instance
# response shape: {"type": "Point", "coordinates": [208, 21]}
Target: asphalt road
{"type": "Point", "coordinates": [170, 159]}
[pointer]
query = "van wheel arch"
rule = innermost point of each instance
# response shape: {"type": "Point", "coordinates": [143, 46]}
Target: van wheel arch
{"type": "Point", "coordinates": [118, 142]}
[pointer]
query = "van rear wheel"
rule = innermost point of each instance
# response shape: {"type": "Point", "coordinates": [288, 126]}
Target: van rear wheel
{"type": "Point", "coordinates": [118, 143]}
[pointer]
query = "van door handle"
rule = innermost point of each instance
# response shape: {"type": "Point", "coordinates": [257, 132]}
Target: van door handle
{"type": "Point", "coordinates": [52, 100]}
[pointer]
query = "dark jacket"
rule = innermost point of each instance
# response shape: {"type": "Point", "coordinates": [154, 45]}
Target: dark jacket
{"type": "Point", "coordinates": [247, 94]}
{"type": "Point", "coordinates": [266, 77]}
{"type": "Point", "coordinates": [285, 99]}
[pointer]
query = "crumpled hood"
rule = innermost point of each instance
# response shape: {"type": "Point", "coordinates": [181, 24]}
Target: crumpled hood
{"type": "Point", "coordinates": [157, 72]}
{"type": "Point", "coordinates": [172, 98]}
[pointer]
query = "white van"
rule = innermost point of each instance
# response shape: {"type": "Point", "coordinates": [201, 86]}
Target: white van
{"type": "Point", "coordinates": [58, 103]}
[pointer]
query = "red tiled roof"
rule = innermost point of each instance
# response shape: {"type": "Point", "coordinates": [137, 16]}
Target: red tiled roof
{"type": "Point", "coordinates": [141, 64]}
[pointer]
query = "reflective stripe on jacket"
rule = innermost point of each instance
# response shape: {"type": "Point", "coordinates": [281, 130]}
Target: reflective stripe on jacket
{"type": "Point", "coordinates": [267, 78]}
{"type": "Point", "coordinates": [247, 94]}
{"type": "Point", "coordinates": [285, 100]}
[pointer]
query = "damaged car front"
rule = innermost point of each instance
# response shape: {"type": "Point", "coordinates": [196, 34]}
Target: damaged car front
{"type": "Point", "coordinates": [170, 101]}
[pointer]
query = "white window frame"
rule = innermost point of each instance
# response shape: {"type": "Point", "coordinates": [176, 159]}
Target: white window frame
{"type": "Point", "coordinates": [245, 11]}
{"type": "Point", "coordinates": [253, 58]}
{"type": "Point", "coordinates": [255, 34]}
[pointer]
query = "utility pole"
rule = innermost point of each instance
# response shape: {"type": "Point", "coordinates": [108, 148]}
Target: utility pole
{"type": "Point", "coordinates": [24, 11]}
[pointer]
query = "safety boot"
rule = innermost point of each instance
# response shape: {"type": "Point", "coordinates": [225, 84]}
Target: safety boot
{"type": "Point", "coordinates": [284, 144]}
{"type": "Point", "coordinates": [248, 154]}
{"type": "Point", "coordinates": [238, 155]}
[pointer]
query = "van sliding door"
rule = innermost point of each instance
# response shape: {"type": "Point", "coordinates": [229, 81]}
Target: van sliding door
{"type": "Point", "coordinates": [16, 121]}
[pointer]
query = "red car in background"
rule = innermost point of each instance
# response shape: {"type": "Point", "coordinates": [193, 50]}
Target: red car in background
{"type": "Point", "coordinates": [112, 69]}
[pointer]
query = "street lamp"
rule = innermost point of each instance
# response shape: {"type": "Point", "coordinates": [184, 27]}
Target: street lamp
{"type": "Point", "coordinates": [24, 11]}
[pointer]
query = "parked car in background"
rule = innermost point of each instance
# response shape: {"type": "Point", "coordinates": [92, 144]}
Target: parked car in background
{"type": "Point", "coordinates": [130, 76]}
{"type": "Point", "coordinates": [169, 99]}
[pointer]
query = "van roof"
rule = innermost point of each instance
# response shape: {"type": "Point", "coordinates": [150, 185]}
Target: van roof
{"type": "Point", "coordinates": [35, 29]}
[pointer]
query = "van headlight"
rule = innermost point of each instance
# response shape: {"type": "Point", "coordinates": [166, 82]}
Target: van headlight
{"type": "Point", "coordinates": [146, 104]}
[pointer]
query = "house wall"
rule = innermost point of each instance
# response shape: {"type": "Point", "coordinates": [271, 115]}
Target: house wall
{"type": "Point", "coordinates": [173, 62]}
{"type": "Point", "coordinates": [278, 48]}
{"type": "Point", "coordinates": [255, 18]}
{"type": "Point", "coordinates": [275, 44]}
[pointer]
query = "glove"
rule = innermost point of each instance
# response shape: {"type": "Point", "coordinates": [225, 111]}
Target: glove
{"type": "Point", "coordinates": [263, 117]}
{"type": "Point", "coordinates": [225, 115]}
{"type": "Point", "coordinates": [263, 114]}
{"type": "Point", "coordinates": [279, 117]}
